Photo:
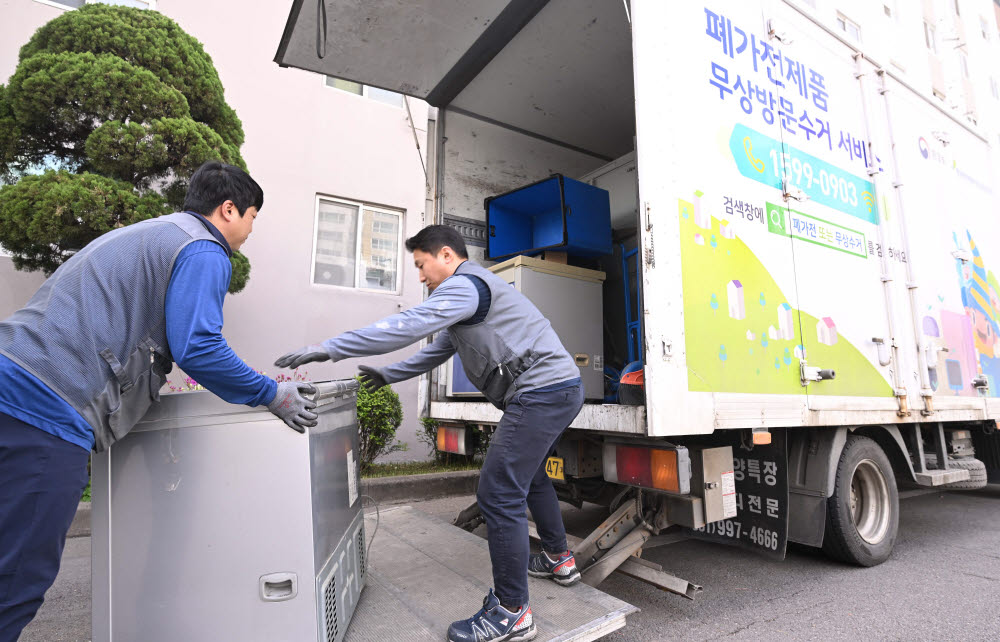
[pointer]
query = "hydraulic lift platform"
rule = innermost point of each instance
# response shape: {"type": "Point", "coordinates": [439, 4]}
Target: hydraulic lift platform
{"type": "Point", "coordinates": [424, 573]}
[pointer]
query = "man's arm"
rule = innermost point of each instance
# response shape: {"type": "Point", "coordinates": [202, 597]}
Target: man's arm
{"type": "Point", "coordinates": [453, 301]}
{"type": "Point", "coordinates": [439, 351]}
{"type": "Point", "coordinates": [193, 309]}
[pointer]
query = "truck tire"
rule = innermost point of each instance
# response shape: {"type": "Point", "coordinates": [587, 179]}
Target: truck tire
{"type": "Point", "coordinates": [862, 515]}
{"type": "Point", "coordinates": [977, 473]}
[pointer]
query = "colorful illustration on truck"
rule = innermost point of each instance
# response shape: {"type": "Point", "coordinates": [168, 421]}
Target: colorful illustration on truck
{"type": "Point", "coordinates": [967, 343]}
{"type": "Point", "coordinates": [742, 335]}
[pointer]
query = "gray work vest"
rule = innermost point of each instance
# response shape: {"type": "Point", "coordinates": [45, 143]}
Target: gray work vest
{"type": "Point", "coordinates": [513, 348]}
{"type": "Point", "coordinates": [95, 332]}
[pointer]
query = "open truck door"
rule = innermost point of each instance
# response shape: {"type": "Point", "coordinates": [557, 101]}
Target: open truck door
{"type": "Point", "coordinates": [425, 49]}
{"type": "Point", "coordinates": [458, 55]}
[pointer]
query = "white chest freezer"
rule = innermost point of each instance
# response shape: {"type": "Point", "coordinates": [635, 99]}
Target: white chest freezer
{"type": "Point", "coordinates": [218, 522]}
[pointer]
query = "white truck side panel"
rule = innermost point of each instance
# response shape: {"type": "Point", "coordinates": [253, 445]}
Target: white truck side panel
{"type": "Point", "coordinates": [773, 238]}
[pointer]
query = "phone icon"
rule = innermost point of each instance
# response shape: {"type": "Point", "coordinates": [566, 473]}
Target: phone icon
{"type": "Point", "coordinates": [757, 163]}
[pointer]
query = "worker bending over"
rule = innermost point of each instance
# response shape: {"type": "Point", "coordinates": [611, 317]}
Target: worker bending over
{"type": "Point", "coordinates": [512, 355]}
{"type": "Point", "coordinates": [84, 360]}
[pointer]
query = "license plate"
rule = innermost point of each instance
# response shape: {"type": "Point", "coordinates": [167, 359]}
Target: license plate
{"type": "Point", "coordinates": [554, 468]}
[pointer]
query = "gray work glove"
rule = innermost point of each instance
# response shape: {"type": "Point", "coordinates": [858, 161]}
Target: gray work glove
{"type": "Point", "coordinates": [292, 408]}
{"type": "Point", "coordinates": [308, 354]}
{"type": "Point", "coordinates": [371, 378]}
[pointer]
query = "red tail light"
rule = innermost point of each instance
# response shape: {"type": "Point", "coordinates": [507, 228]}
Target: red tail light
{"type": "Point", "coordinates": [454, 439]}
{"type": "Point", "coordinates": [666, 468]}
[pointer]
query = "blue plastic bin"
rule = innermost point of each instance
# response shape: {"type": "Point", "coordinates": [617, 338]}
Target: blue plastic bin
{"type": "Point", "coordinates": [557, 213]}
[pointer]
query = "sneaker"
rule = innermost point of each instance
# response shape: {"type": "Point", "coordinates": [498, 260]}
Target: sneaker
{"type": "Point", "coordinates": [494, 623]}
{"type": "Point", "coordinates": [562, 568]}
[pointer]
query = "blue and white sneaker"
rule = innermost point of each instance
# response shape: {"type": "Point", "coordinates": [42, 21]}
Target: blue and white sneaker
{"type": "Point", "coordinates": [494, 623]}
{"type": "Point", "coordinates": [561, 568]}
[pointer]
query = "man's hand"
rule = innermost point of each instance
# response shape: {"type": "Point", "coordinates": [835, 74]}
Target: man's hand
{"type": "Point", "coordinates": [292, 408]}
{"type": "Point", "coordinates": [371, 378]}
{"type": "Point", "coordinates": [308, 354]}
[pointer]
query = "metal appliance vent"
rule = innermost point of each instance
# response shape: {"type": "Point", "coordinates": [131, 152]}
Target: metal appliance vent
{"type": "Point", "coordinates": [361, 554]}
{"type": "Point", "coordinates": [330, 608]}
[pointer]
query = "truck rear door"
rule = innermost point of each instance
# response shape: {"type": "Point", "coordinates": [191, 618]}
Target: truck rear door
{"type": "Point", "coordinates": [722, 312]}
{"type": "Point", "coordinates": [836, 171]}
{"type": "Point", "coordinates": [428, 49]}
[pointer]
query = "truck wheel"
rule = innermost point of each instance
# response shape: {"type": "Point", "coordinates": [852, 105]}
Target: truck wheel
{"type": "Point", "coordinates": [977, 473]}
{"type": "Point", "coordinates": [862, 516]}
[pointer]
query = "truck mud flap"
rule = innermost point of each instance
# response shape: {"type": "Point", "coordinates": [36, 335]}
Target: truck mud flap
{"type": "Point", "coordinates": [761, 474]}
{"type": "Point", "coordinates": [424, 573]}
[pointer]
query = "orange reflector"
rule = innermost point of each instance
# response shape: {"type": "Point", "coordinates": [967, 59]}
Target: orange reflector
{"type": "Point", "coordinates": [761, 438]}
{"type": "Point", "coordinates": [664, 469]}
{"type": "Point", "coordinates": [442, 436]}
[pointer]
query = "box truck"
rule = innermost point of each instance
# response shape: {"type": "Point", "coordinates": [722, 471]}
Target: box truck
{"type": "Point", "coordinates": [803, 240]}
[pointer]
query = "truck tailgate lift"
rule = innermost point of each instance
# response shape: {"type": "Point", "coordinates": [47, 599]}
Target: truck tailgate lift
{"type": "Point", "coordinates": [424, 573]}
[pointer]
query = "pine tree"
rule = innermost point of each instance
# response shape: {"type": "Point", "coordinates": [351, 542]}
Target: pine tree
{"type": "Point", "coordinates": [109, 112]}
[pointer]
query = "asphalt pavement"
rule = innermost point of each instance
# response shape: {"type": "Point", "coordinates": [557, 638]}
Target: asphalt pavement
{"type": "Point", "coordinates": [942, 582]}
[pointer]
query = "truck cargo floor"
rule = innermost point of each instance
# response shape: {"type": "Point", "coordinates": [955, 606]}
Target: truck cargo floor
{"type": "Point", "coordinates": [424, 574]}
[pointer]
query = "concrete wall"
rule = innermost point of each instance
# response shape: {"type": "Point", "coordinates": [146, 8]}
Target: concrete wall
{"type": "Point", "coordinates": [302, 139]}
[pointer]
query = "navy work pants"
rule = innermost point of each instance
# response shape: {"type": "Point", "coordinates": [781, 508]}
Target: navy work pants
{"type": "Point", "coordinates": [513, 477]}
{"type": "Point", "coordinates": [41, 480]}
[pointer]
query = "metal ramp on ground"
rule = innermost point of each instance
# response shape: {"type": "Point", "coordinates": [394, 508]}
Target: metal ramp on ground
{"type": "Point", "coordinates": [423, 574]}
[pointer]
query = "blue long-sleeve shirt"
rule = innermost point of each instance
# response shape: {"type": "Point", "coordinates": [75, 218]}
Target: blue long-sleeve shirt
{"type": "Point", "coordinates": [193, 307]}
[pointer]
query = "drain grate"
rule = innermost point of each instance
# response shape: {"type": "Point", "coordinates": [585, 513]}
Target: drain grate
{"type": "Point", "coordinates": [330, 608]}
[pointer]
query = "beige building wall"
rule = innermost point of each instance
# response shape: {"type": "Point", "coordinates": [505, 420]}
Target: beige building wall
{"type": "Point", "coordinates": [303, 139]}
{"type": "Point", "coordinates": [18, 20]}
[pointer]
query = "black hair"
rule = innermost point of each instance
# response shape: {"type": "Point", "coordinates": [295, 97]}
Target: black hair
{"type": "Point", "coordinates": [214, 183]}
{"type": "Point", "coordinates": [434, 237]}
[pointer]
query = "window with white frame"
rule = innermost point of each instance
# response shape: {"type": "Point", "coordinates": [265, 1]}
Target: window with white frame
{"type": "Point", "coordinates": [849, 27]}
{"type": "Point", "coordinates": [381, 95]}
{"type": "Point", "coordinates": [356, 245]}
{"type": "Point", "coordinates": [930, 36]}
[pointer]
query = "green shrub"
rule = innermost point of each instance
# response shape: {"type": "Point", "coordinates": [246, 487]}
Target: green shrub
{"type": "Point", "coordinates": [379, 415]}
{"type": "Point", "coordinates": [428, 437]}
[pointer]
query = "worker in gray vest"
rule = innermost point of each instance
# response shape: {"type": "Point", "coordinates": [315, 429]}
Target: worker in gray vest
{"type": "Point", "coordinates": [84, 360]}
{"type": "Point", "coordinates": [510, 353]}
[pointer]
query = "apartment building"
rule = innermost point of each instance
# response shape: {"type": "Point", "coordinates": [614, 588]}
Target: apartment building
{"type": "Point", "coordinates": [343, 179]}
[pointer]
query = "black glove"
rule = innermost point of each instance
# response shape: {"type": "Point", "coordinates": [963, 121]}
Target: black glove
{"type": "Point", "coordinates": [371, 378]}
{"type": "Point", "coordinates": [307, 354]}
{"type": "Point", "coordinates": [291, 407]}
